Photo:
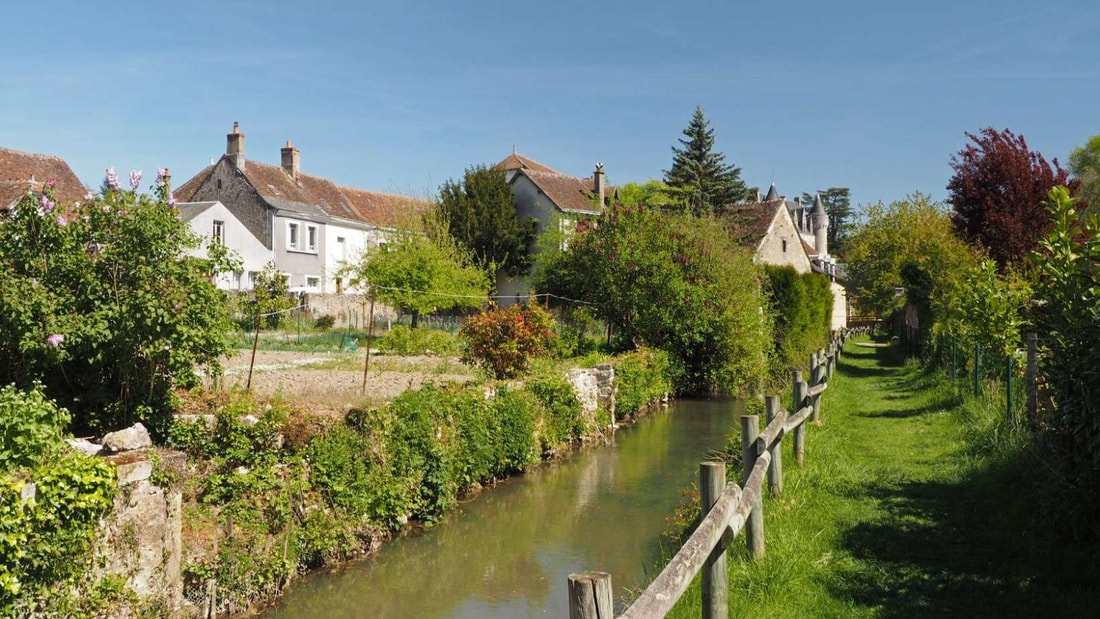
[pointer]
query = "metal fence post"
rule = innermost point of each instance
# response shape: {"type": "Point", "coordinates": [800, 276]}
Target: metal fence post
{"type": "Point", "coordinates": [1032, 375]}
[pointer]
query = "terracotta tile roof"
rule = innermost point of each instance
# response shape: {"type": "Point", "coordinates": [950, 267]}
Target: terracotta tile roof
{"type": "Point", "coordinates": [384, 209]}
{"type": "Point", "coordinates": [186, 191]}
{"type": "Point", "coordinates": [568, 193]}
{"type": "Point", "coordinates": [751, 220]}
{"type": "Point", "coordinates": [18, 168]}
{"type": "Point", "coordinates": [516, 161]}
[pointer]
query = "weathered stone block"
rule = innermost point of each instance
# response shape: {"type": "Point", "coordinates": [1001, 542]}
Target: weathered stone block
{"type": "Point", "coordinates": [134, 437]}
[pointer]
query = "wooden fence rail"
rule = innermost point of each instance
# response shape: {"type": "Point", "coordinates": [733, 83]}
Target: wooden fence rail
{"type": "Point", "coordinates": [725, 509]}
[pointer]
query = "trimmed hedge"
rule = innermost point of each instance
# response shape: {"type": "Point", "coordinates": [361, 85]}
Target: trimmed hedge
{"type": "Point", "coordinates": [802, 304]}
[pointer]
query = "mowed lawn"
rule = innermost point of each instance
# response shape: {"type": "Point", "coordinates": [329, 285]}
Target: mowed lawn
{"type": "Point", "coordinates": [904, 510]}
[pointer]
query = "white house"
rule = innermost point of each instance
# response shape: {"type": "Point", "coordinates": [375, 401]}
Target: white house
{"type": "Point", "coordinates": [214, 222]}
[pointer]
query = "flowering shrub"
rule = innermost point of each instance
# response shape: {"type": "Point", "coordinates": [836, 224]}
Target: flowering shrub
{"type": "Point", "coordinates": [100, 304]}
{"type": "Point", "coordinates": [503, 341]}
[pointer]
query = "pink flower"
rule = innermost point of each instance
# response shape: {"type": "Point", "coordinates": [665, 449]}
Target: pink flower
{"type": "Point", "coordinates": [112, 179]}
{"type": "Point", "coordinates": [46, 204]}
{"type": "Point", "coordinates": [61, 221]}
{"type": "Point", "coordinates": [55, 340]}
{"type": "Point", "coordinates": [162, 173]}
{"type": "Point", "coordinates": [135, 179]}
{"type": "Point", "coordinates": [51, 183]}
{"type": "Point", "coordinates": [88, 197]}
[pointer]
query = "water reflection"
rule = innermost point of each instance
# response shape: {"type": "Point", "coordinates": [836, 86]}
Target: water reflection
{"type": "Point", "coordinates": [507, 552]}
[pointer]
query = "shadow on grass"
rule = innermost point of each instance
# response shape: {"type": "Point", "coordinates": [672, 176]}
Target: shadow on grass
{"type": "Point", "coordinates": [965, 549]}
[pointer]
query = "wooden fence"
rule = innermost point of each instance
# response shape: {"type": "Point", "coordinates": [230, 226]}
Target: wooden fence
{"type": "Point", "coordinates": [725, 509]}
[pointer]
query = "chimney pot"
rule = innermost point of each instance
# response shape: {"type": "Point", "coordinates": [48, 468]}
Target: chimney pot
{"type": "Point", "coordinates": [292, 160]}
{"type": "Point", "coordinates": [598, 184]}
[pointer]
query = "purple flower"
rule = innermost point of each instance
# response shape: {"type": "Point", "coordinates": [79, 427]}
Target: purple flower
{"type": "Point", "coordinates": [112, 179]}
{"type": "Point", "coordinates": [51, 183]}
{"type": "Point", "coordinates": [135, 179]}
{"type": "Point", "coordinates": [171, 199]}
{"type": "Point", "coordinates": [46, 204]}
{"type": "Point", "coordinates": [162, 173]}
{"type": "Point", "coordinates": [88, 197]}
{"type": "Point", "coordinates": [55, 340]}
{"type": "Point", "coordinates": [61, 221]}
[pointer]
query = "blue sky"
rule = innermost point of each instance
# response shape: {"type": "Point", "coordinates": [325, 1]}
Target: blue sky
{"type": "Point", "coordinates": [401, 96]}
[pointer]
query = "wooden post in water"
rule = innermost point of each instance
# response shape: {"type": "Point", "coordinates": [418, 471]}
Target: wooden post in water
{"type": "Point", "coordinates": [1032, 375]}
{"type": "Point", "coordinates": [754, 527]}
{"type": "Point", "coordinates": [715, 581]}
{"type": "Point", "coordinates": [799, 441]}
{"type": "Point", "coordinates": [590, 596]}
{"type": "Point", "coordinates": [775, 468]}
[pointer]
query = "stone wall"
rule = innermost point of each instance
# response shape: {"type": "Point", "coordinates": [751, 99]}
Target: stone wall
{"type": "Point", "coordinates": [595, 388]}
{"type": "Point", "coordinates": [140, 539]}
{"type": "Point", "coordinates": [350, 308]}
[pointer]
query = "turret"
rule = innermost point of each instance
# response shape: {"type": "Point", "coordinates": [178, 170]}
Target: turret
{"type": "Point", "coordinates": [821, 228]}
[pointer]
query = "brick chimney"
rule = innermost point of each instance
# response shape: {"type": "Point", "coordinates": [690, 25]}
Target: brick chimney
{"type": "Point", "coordinates": [598, 183]}
{"type": "Point", "coordinates": [234, 146]}
{"type": "Point", "coordinates": [292, 160]}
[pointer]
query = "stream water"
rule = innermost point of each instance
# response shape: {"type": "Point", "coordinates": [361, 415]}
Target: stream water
{"type": "Point", "coordinates": [509, 551]}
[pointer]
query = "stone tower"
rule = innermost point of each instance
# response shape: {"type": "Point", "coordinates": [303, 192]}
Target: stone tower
{"type": "Point", "coordinates": [821, 228]}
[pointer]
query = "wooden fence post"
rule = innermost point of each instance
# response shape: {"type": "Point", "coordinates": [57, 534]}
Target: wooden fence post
{"type": "Point", "coordinates": [816, 379]}
{"type": "Point", "coordinates": [775, 468]}
{"type": "Point", "coordinates": [590, 595]}
{"type": "Point", "coordinates": [1032, 375]}
{"type": "Point", "coordinates": [799, 442]}
{"type": "Point", "coordinates": [754, 527]}
{"type": "Point", "coordinates": [715, 581]}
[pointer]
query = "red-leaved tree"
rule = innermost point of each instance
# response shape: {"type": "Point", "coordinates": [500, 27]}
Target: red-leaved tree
{"type": "Point", "coordinates": [998, 191]}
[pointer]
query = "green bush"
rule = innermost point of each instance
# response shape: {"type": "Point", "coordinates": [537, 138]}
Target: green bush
{"type": "Point", "coordinates": [402, 340]}
{"type": "Point", "coordinates": [642, 378]}
{"type": "Point", "coordinates": [100, 302]}
{"type": "Point", "coordinates": [802, 306]}
{"type": "Point", "coordinates": [561, 420]}
{"type": "Point", "coordinates": [30, 427]}
{"type": "Point", "coordinates": [676, 282]}
{"type": "Point", "coordinates": [324, 322]}
{"type": "Point", "coordinates": [515, 413]}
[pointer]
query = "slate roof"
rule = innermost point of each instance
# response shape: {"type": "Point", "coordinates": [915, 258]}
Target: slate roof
{"type": "Point", "coordinates": [17, 168]}
{"type": "Point", "coordinates": [568, 193]}
{"type": "Point", "coordinates": [516, 161]}
{"type": "Point", "coordinates": [191, 210]}
{"type": "Point", "coordinates": [316, 196]}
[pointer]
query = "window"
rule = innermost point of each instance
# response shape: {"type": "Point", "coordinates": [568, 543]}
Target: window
{"type": "Point", "coordinates": [342, 249]}
{"type": "Point", "coordinates": [292, 236]}
{"type": "Point", "coordinates": [784, 245]}
{"type": "Point", "coordinates": [219, 183]}
{"type": "Point", "coordinates": [219, 232]}
{"type": "Point", "coordinates": [311, 238]}
{"type": "Point", "coordinates": [235, 281]}
{"type": "Point", "coordinates": [252, 279]}
{"type": "Point", "coordinates": [339, 285]}
{"type": "Point", "coordinates": [313, 283]}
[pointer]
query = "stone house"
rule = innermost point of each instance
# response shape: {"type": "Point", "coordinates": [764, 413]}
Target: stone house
{"type": "Point", "coordinates": [550, 198]}
{"type": "Point", "coordinates": [781, 232]}
{"type": "Point", "coordinates": [311, 226]}
{"type": "Point", "coordinates": [22, 172]}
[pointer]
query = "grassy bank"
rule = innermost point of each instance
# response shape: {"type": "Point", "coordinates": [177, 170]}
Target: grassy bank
{"type": "Point", "coordinates": [913, 502]}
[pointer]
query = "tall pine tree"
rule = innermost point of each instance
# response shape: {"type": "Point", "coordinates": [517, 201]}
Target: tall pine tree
{"type": "Point", "coordinates": [706, 182]}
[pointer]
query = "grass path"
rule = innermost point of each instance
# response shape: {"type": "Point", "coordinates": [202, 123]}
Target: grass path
{"type": "Point", "coordinates": [897, 514]}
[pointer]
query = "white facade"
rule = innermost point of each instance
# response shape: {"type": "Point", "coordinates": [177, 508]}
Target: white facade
{"type": "Point", "coordinates": [212, 220]}
{"type": "Point", "coordinates": [345, 243]}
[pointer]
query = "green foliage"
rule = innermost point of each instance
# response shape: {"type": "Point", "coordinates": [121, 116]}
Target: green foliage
{"type": "Point", "coordinates": [272, 296]}
{"type": "Point", "coordinates": [908, 244]}
{"type": "Point", "coordinates": [642, 378]}
{"type": "Point", "coordinates": [988, 309]}
{"type": "Point", "coordinates": [1067, 290]}
{"type": "Point", "coordinates": [45, 543]}
{"type": "Point", "coordinates": [560, 421]}
{"type": "Point", "coordinates": [402, 340]}
{"type": "Point", "coordinates": [100, 303]}
{"type": "Point", "coordinates": [324, 322]}
{"type": "Point", "coordinates": [1084, 162]}
{"type": "Point", "coordinates": [424, 273]}
{"type": "Point", "coordinates": [803, 308]}
{"type": "Point", "coordinates": [30, 427]}
{"type": "Point", "coordinates": [503, 341]}
{"type": "Point", "coordinates": [705, 182]}
{"type": "Point", "coordinates": [671, 281]}
{"type": "Point", "coordinates": [480, 213]}
{"type": "Point", "coordinates": [655, 193]}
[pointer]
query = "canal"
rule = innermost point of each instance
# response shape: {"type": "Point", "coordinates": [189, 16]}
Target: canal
{"type": "Point", "coordinates": [508, 552]}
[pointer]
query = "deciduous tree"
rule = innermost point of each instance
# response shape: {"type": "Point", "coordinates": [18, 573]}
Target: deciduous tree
{"type": "Point", "coordinates": [422, 272]}
{"type": "Point", "coordinates": [998, 191]}
{"type": "Point", "coordinates": [480, 213]}
{"type": "Point", "coordinates": [706, 181]}
{"type": "Point", "coordinates": [1084, 162]}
